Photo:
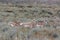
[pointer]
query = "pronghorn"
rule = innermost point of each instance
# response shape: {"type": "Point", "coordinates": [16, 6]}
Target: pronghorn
{"type": "Point", "coordinates": [27, 24]}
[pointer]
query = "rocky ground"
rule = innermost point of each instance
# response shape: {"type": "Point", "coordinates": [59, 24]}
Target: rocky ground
{"type": "Point", "coordinates": [49, 14]}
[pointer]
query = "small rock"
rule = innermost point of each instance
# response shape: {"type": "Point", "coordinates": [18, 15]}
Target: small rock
{"type": "Point", "coordinates": [5, 29]}
{"type": "Point", "coordinates": [55, 35]}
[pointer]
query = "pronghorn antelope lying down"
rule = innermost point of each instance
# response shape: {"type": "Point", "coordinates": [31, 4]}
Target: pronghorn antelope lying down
{"type": "Point", "coordinates": [26, 24]}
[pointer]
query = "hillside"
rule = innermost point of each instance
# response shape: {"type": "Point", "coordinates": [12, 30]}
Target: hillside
{"type": "Point", "coordinates": [32, 1]}
{"type": "Point", "coordinates": [29, 22]}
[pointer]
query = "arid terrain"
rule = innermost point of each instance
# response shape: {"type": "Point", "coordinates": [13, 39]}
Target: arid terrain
{"type": "Point", "coordinates": [29, 22]}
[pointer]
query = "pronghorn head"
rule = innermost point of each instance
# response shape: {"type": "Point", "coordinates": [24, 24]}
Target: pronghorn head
{"type": "Point", "coordinates": [15, 23]}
